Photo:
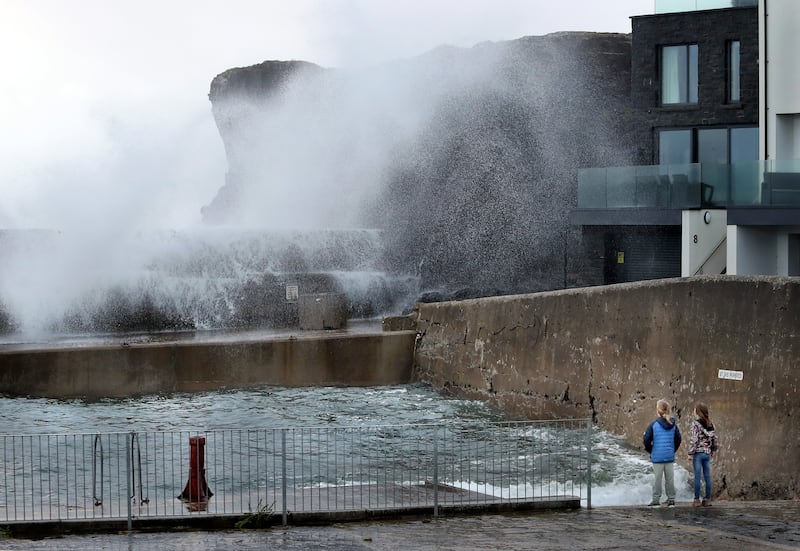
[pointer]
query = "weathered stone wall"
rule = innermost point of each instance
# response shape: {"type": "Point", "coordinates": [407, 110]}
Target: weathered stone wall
{"type": "Point", "coordinates": [610, 352]}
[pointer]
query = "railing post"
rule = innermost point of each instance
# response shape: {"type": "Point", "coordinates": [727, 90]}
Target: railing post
{"type": "Point", "coordinates": [98, 500]}
{"type": "Point", "coordinates": [136, 463]}
{"type": "Point", "coordinates": [435, 474]}
{"type": "Point", "coordinates": [128, 461]}
{"type": "Point", "coordinates": [589, 463]}
{"type": "Point", "coordinates": [283, 475]}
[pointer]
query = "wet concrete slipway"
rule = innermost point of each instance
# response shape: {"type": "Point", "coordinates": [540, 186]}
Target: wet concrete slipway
{"type": "Point", "coordinates": [724, 526]}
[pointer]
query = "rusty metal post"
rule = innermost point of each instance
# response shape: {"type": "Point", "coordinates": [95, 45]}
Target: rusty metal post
{"type": "Point", "coordinates": [196, 489]}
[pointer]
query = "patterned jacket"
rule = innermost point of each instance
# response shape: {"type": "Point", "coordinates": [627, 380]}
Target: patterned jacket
{"type": "Point", "coordinates": [703, 440]}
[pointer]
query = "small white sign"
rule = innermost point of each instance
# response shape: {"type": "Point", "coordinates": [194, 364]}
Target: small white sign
{"type": "Point", "coordinates": [291, 292]}
{"type": "Point", "coordinates": [732, 375]}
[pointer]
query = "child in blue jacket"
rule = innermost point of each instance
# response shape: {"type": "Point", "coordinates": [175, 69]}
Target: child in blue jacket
{"type": "Point", "coordinates": [661, 440]}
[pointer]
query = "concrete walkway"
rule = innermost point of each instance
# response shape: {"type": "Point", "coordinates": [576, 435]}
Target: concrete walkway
{"type": "Point", "coordinates": [751, 526]}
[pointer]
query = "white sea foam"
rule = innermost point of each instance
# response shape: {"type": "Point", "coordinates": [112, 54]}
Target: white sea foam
{"type": "Point", "coordinates": [626, 475]}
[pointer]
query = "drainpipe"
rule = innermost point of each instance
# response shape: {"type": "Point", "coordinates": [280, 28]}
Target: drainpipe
{"type": "Point", "coordinates": [764, 91]}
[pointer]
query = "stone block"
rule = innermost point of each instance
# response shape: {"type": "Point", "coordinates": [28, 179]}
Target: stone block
{"type": "Point", "coordinates": [399, 323]}
{"type": "Point", "coordinates": [322, 311]}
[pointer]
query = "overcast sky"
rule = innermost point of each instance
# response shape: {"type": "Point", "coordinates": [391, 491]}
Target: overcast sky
{"type": "Point", "coordinates": [103, 103]}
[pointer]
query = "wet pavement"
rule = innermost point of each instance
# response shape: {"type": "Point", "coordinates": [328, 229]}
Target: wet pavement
{"type": "Point", "coordinates": [751, 526]}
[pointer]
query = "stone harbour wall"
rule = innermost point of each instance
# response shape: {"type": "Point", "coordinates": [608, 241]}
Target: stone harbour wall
{"type": "Point", "coordinates": [611, 352]}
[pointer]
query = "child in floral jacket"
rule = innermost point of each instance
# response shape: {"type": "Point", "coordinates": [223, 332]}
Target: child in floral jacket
{"type": "Point", "coordinates": [702, 447]}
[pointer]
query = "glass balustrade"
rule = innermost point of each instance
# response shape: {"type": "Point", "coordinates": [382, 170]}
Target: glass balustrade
{"type": "Point", "coordinates": [677, 6]}
{"type": "Point", "coordinates": [688, 186]}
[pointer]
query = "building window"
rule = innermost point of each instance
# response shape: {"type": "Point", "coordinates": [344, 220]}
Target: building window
{"type": "Point", "coordinates": [744, 144]}
{"type": "Point", "coordinates": [729, 170]}
{"type": "Point", "coordinates": [712, 145]}
{"type": "Point", "coordinates": [679, 74]}
{"type": "Point", "coordinates": [675, 147]}
{"type": "Point", "coordinates": [734, 74]}
{"type": "Point", "coordinates": [708, 145]}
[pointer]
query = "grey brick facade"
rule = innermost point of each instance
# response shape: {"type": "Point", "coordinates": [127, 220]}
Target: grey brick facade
{"type": "Point", "coordinates": [711, 30]}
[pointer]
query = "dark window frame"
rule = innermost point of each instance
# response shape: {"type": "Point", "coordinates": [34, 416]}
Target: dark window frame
{"type": "Point", "coordinates": [694, 141]}
{"type": "Point", "coordinates": [688, 83]}
{"type": "Point", "coordinates": [733, 61]}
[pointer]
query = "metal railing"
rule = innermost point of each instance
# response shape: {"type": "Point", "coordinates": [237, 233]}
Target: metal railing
{"type": "Point", "coordinates": [291, 470]}
{"type": "Point", "coordinates": [673, 6]}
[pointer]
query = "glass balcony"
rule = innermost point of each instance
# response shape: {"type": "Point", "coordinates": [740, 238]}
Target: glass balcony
{"type": "Point", "coordinates": [677, 6]}
{"type": "Point", "coordinates": [692, 186]}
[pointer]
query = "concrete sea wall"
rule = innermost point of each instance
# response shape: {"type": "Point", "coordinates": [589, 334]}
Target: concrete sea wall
{"type": "Point", "coordinates": [119, 371]}
{"type": "Point", "coordinates": [610, 352]}
{"type": "Point", "coordinates": [606, 352]}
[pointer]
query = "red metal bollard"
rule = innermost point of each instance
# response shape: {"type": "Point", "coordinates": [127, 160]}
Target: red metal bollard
{"type": "Point", "coordinates": [197, 489]}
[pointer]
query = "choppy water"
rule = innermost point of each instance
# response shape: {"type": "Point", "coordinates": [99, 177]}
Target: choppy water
{"type": "Point", "coordinates": [621, 475]}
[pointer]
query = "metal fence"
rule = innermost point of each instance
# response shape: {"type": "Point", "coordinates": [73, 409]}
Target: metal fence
{"type": "Point", "coordinates": [291, 470]}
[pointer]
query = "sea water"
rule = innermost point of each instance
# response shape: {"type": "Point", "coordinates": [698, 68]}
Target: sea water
{"type": "Point", "coordinates": [621, 475]}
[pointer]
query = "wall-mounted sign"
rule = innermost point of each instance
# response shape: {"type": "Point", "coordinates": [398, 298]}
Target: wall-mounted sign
{"type": "Point", "coordinates": [620, 257]}
{"type": "Point", "coordinates": [292, 292]}
{"type": "Point", "coordinates": [732, 375]}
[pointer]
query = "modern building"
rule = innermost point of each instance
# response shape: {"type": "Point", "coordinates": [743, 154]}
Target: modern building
{"type": "Point", "coordinates": [765, 239]}
{"type": "Point", "coordinates": [703, 196]}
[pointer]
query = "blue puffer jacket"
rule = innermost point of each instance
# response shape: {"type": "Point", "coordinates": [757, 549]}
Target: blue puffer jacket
{"type": "Point", "coordinates": [662, 440]}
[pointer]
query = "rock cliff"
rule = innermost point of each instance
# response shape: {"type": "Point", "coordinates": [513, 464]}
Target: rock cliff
{"type": "Point", "coordinates": [465, 158]}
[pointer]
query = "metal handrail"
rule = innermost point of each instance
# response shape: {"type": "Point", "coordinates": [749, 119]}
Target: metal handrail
{"type": "Point", "coordinates": [97, 500]}
{"type": "Point", "coordinates": [135, 447]}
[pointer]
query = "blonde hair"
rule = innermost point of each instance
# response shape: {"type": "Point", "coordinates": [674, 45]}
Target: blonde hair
{"type": "Point", "coordinates": [662, 408]}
